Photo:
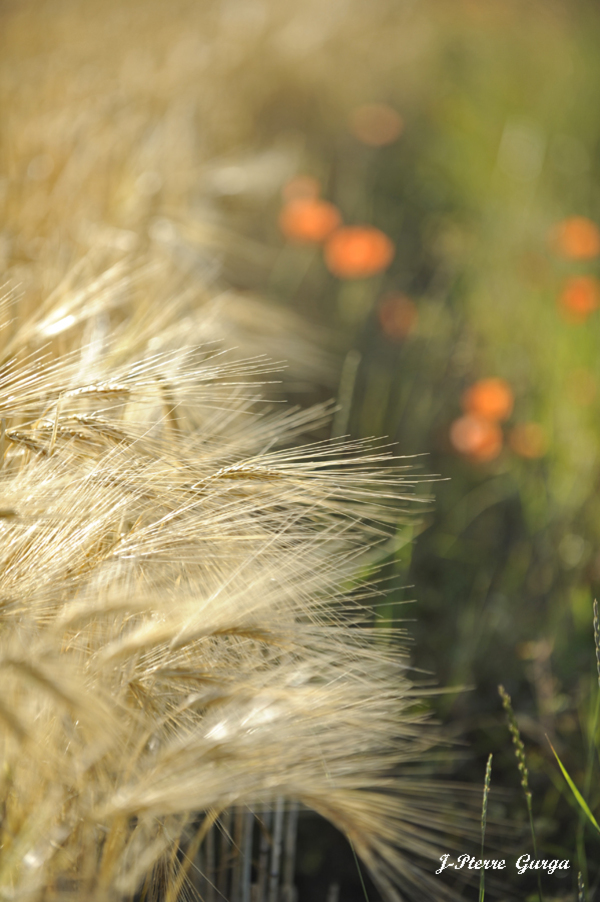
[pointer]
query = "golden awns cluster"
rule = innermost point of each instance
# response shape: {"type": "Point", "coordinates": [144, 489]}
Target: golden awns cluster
{"type": "Point", "coordinates": [173, 636]}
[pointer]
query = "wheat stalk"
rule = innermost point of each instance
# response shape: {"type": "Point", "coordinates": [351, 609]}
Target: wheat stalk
{"type": "Point", "coordinates": [176, 641]}
{"type": "Point", "coordinates": [174, 638]}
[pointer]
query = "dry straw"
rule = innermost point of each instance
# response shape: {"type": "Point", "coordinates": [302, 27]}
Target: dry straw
{"type": "Point", "coordinates": [174, 640]}
{"type": "Point", "coordinates": [175, 647]}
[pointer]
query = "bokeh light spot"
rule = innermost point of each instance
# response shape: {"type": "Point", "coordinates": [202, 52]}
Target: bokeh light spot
{"type": "Point", "coordinates": [476, 437]}
{"type": "Point", "coordinates": [491, 398]}
{"type": "Point", "coordinates": [576, 238]}
{"type": "Point", "coordinates": [579, 298]}
{"type": "Point", "coordinates": [308, 220]}
{"type": "Point", "coordinates": [355, 252]}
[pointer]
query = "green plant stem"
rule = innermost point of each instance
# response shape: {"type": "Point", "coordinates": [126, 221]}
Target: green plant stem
{"type": "Point", "coordinates": [362, 882]}
{"type": "Point", "coordinates": [592, 745]}
{"type": "Point", "coordinates": [486, 792]}
{"type": "Point", "coordinates": [581, 857]}
{"type": "Point", "coordinates": [535, 852]}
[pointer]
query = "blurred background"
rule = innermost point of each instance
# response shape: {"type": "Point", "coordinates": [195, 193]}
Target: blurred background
{"type": "Point", "coordinates": [401, 199]}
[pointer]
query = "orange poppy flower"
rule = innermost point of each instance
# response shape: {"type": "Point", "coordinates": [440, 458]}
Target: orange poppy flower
{"type": "Point", "coordinates": [301, 186]}
{"type": "Point", "coordinates": [492, 399]}
{"type": "Point", "coordinates": [576, 238]}
{"type": "Point", "coordinates": [355, 252]}
{"type": "Point", "coordinates": [308, 220]}
{"type": "Point", "coordinates": [397, 316]}
{"type": "Point", "coordinates": [528, 440]}
{"type": "Point", "coordinates": [376, 124]}
{"type": "Point", "coordinates": [579, 297]}
{"type": "Point", "coordinates": [476, 437]}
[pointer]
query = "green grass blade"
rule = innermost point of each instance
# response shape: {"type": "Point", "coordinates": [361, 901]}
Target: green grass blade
{"type": "Point", "coordinates": [578, 797]}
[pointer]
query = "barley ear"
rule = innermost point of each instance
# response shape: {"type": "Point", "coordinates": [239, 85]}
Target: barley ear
{"type": "Point", "coordinates": [523, 770]}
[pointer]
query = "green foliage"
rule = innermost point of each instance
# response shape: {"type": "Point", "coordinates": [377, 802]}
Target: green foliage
{"type": "Point", "coordinates": [578, 797]}
{"type": "Point", "coordinates": [499, 147]}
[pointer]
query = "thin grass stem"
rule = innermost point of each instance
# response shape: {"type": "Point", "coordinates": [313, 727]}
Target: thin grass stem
{"type": "Point", "coordinates": [276, 851]}
{"type": "Point", "coordinates": [247, 857]}
{"type": "Point", "coordinates": [291, 832]}
{"type": "Point", "coordinates": [362, 881]}
{"type": "Point", "coordinates": [263, 854]}
{"type": "Point", "coordinates": [484, 805]}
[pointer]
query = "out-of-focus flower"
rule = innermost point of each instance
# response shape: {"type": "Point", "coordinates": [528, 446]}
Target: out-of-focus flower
{"type": "Point", "coordinates": [301, 186]}
{"type": "Point", "coordinates": [528, 440]}
{"type": "Point", "coordinates": [397, 316]}
{"type": "Point", "coordinates": [376, 124]}
{"type": "Point", "coordinates": [579, 298]}
{"type": "Point", "coordinates": [355, 252]}
{"type": "Point", "coordinates": [476, 437]}
{"type": "Point", "coordinates": [308, 220]}
{"type": "Point", "coordinates": [491, 399]}
{"type": "Point", "coordinates": [577, 238]}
